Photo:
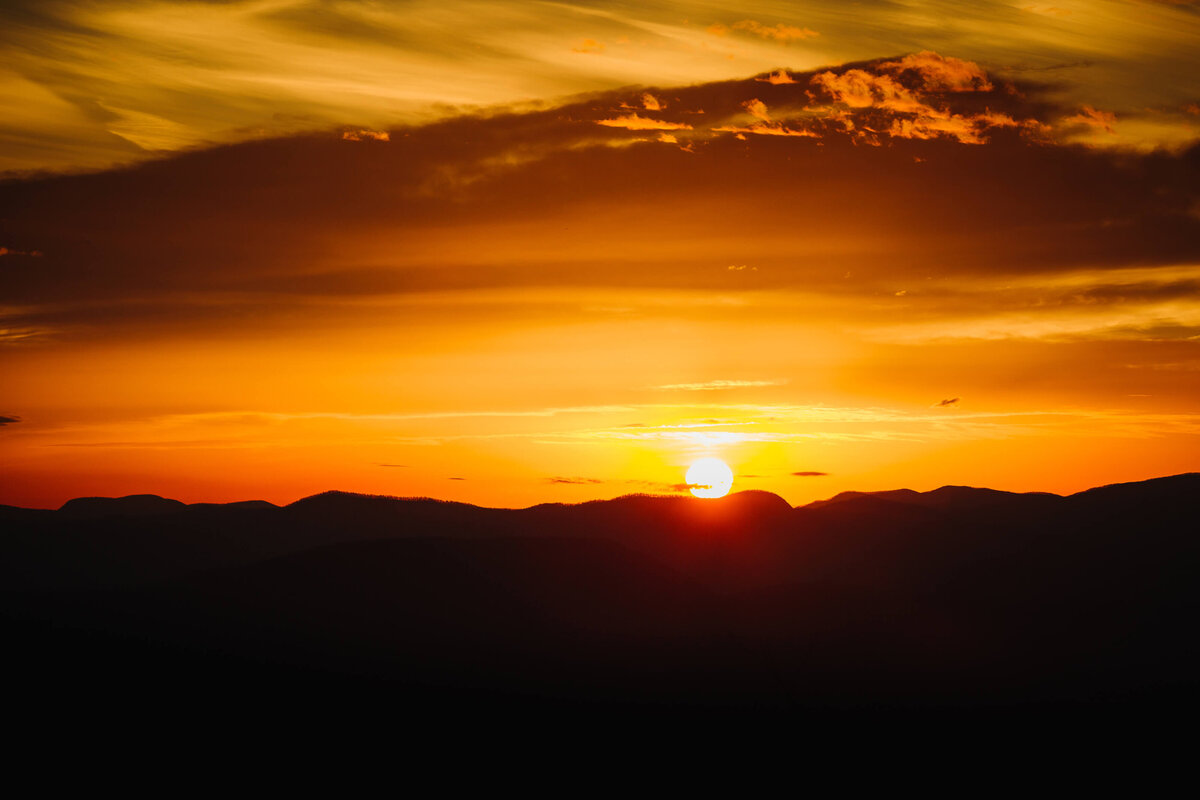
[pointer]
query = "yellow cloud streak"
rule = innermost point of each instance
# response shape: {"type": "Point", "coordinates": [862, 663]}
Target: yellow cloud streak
{"type": "Point", "coordinates": [178, 74]}
{"type": "Point", "coordinates": [175, 74]}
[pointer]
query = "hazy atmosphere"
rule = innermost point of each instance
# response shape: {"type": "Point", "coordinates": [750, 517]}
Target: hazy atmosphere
{"type": "Point", "coordinates": [511, 253]}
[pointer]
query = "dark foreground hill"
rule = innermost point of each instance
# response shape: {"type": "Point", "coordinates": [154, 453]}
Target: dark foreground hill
{"type": "Point", "coordinates": [958, 598]}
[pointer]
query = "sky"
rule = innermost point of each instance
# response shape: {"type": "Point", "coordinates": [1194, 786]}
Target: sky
{"type": "Point", "coordinates": [511, 253]}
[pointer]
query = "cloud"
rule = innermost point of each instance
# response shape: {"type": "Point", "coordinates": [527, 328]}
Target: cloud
{"type": "Point", "coordinates": [779, 32]}
{"type": "Point", "coordinates": [1093, 118]}
{"type": "Point", "coordinates": [574, 480]}
{"type": "Point", "coordinates": [366, 135]}
{"type": "Point", "coordinates": [709, 386]}
{"type": "Point", "coordinates": [764, 129]}
{"type": "Point", "coordinates": [589, 46]}
{"type": "Point", "coordinates": [810, 474]}
{"type": "Point", "coordinates": [1054, 11]}
{"type": "Point", "coordinates": [149, 132]}
{"type": "Point", "coordinates": [264, 234]}
{"type": "Point", "coordinates": [257, 70]}
{"type": "Point", "coordinates": [652, 103]}
{"type": "Point", "coordinates": [940, 73]}
{"type": "Point", "coordinates": [691, 425]}
{"type": "Point", "coordinates": [779, 77]}
{"type": "Point", "coordinates": [89, 85]}
{"type": "Point", "coordinates": [636, 122]}
{"type": "Point", "coordinates": [932, 123]}
{"type": "Point", "coordinates": [660, 486]}
{"type": "Point", "coordinates": [757, 109]}
{"type": "Point", "coordinates": [944, 403]}
{"type": "Point", "coordinates": [1167, 366]}
{"type": "Point", "coordinates": [913, 90]}
{"type": "Point", "coordinates": [1152, 303]}
{"type": "Point", "coordinates": [858, 88]}
{"type": "Point", "coordinates": [8, 420]}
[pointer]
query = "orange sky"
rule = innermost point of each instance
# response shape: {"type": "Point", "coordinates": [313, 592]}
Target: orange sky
{"type": "Point", "coordinates": [977, 263]}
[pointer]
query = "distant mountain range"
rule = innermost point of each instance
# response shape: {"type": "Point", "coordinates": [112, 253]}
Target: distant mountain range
{"type": "Point", "coordinates": [958, 598]}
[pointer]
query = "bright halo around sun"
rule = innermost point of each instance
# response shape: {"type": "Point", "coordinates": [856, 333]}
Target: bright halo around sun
{"type": "Point", "coordinates": [710, 477]}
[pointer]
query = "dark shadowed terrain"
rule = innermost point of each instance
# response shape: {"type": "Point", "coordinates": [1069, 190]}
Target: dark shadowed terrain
{"type": "Point", "coordinates": [957, 600]}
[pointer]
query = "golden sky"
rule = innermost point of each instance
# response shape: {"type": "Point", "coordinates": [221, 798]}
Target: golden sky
{"type": "Point", "coordinates": [516, 253]}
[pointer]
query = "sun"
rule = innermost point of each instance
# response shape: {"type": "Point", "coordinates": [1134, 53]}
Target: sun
{"type": "Point", "coordinates": [710, 477]}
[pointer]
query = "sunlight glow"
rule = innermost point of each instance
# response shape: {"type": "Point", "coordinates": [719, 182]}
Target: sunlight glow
{"type": "Point", "coordinates": [710, 477]}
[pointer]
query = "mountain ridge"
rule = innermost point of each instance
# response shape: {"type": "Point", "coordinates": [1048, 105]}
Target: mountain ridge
{"type": "Point", "coordinates": [143, 504]}
{"type": "Point", "coordinates": [951, 598]}
{"type": "Point", "coordinates": [744, 540]}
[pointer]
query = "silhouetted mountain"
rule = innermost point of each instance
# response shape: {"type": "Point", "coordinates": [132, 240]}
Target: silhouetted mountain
{"type": "Point", "coordinates": [896, 495]}
{"type": "Point", "coordinates": [958, 597]}
{"type": "Point", "coordinates": [961, 497]}
{"type": "Point", "coordinates": [136, 505]}
{"type": "Point", "coordinates": [14, 514]}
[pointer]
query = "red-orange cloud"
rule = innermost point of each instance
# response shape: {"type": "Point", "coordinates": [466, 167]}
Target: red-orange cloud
{"type": "Point", "coordinates": [636, 122]}
{"type": "Point", "coordinates": [942, 73]}
{"type": "Point", "coordinates": [779, 77]}
{"type": "Point", "coordinates": [1093, 118]}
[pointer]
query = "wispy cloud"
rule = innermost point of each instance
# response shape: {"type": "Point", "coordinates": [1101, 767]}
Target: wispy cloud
{"type": "Point", "coordinates": [780, 32]}
{"type": "Point", "coordinates": [767, 129]}
{"type": "Point", "coordinates": [241, 417]}
{"type": "Point", "coordinates": [279, 66]}
{"type": "Point", "coordinates": [663, 487]}
{"type": "Point", "coordinates": [1093, 118]}
{"type": "Point", "coordinates": [710, 386]}
{"type": "Point", "coordinates": [590, 46]}
{"type": "Point", "coordinates": [439, 188]}
{"type": "Point", "coordinates": [1146, 303]}
{"type": "Point", "coordinates": [740, 426]}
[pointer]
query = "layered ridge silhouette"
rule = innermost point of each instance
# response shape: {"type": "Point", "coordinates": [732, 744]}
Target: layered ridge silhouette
{"type": "Point", "coordinates": [955, 598]}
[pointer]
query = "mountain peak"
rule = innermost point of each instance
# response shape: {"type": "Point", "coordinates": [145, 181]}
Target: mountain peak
{"type": "Point", "coordinates": [944, 497]}
{"type": "Point", "coordinates": [134, 505]}
{"type": "Point", "coordinates": [898, 495]}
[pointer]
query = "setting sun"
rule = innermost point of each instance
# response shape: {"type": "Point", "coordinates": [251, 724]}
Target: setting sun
{"type": "Point", "coordinates": [709, 477]}
{"type": "Point", "coordinates": [243, 280]}
{"type": "Point", "coordinates": [389, 350]}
